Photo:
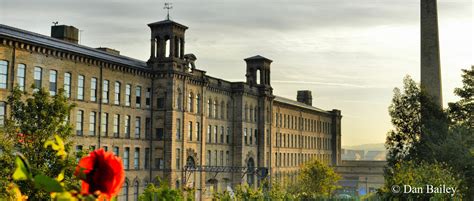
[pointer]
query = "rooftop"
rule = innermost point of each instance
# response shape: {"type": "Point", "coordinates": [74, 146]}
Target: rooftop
{"type": "Point", "coordinates": [40, 39]}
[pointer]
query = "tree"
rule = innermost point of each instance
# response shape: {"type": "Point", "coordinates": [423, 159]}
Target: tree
{"type": "Point", "coordinates": [405, 111]}
{"type": "Point", "coordinates": [34, 120]}
{"type": "Point", "coordinates": [316, 179]}
{"type": "Point", "coordinates": [423, 132]}
{"type": "Point", "coordinates": [409, 175]}
{"type": "Point", "coordinates": [462, 112]}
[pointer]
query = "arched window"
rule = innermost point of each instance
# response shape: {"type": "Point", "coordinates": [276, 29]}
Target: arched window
{"type": "Point", "coordinates": [190, 102]}
{"type": "Point", "coordinates": [215, 109]}
{"type": "Point", "coordinates": [125, 191]}
{"type": "Point", "coordinates": [209, 107]}
{"type": "Point", "coordinates": [251, 113]}
{"type": "Point", "coordinates": [179, 99]}
{"type": "Point", "coordinates": [198, 103]}
{"type": "Point", "coordinates": [190, 162]}
{"type": "Point", "coordinates": [250, 172]}
{"type": "Point", "coordinates": [229, 112]}
{"type": "Point", "coordinates": [135, 191]}
{"type": "Point", "coordinates": [222, 110]}
{"type": "Point", "coordinates": [255, 115]}
{"type": "Point", "coordinates": [246, 110]}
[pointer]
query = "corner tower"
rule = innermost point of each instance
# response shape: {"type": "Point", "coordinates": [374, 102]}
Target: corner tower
{"type": "Point", "coordinates": [430, 59]}
{"type": "Point", "coordinates": [167, 42]}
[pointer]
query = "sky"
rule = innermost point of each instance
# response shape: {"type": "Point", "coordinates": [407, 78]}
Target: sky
{"type": "Point", "coordinates": [350, 54]}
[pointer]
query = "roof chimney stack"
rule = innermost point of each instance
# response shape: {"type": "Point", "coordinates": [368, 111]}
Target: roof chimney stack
{"type": "Point", "coordinates": [304, 96]}
{"type": "Point", "coordinates": [66, 33]}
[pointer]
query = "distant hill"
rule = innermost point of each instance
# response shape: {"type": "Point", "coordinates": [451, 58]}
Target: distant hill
{"type": "Point", "coordinates": [367, 147]}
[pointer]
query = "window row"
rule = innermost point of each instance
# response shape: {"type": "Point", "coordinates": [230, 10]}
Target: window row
{"type": "Point", "coordinates": [38, 75]}
{"type": "Point", "coordinates": [250, 136]}
{"type": "Point", "coordinates": [299, 141]}
{"type": "Point", "coordinates": [214, 135]}
{"type": "Point", "coordinates": [217, 158]}
{"type": "Point", "coordinates": [121, 125]}
{"type": "Point", "coordinates": [296, 159]}
{"type": "Point", "coordinates": [300, 123]}
{"type": "Point", "coordinates": [125, 155]}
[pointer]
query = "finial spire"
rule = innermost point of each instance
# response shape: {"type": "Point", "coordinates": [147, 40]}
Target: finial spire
{"type": "Point", "coordinates": [168, 6]}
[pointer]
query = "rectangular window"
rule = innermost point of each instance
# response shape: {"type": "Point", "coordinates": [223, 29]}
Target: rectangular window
{"type": "Point", "coordinates": [53, 79]}
{"type": "Point", "coordinates": [79, 120]}
{"type": "Point", "coordinates": [147, 158]}
{"type": "Point", "coordinates": [160, 103]}
{"type": "Point", "coordinates": [127, 126]}
{"type": "Point", "coordinates": [92, 118]}
{"type": "Point", "coordinates": [21, 72]}
{"type": "Point", "coordinates": [147, 128]}
{"type": "Point", "coordinates": [138, 96]}
{"type": "Point", "coordinates": [104, 124]}
{"type": "Point", "coordinates": [190, 131]}
{"type": "Point", "coordinates": [116, 125]}
{"type": "Point", "coordinates": [116, 151]}
{"type": "Point", "coordinates": [198, 131]}
{"type": "Point", "coordinates": [215, 158]}
{"type": "Point", "coordinates": [126, 158]}
{"type": "Point", "coordinates": [208, 158]}
{"type": "Point", "coordinates": [215, 134]}
{"type": "Point", "coordinates": [208, 134]}
{"type": "Point", "coordinates": [222, 159]}
{"type": "Point", "coordinates": [94, 89]}
{"type": "Point", "coordinates": [4, 74]}
{"type": "Point", "coordinates": [222, 134]}
{"type": "Point", "coordinates": [37, 77]}
{"type": "Point", "coordinates": [117, 93]}
{"type": "Point", "coordinates": [80, 87]}
{"type": "Point", "coordinates": [178, 159]}
{"type": "Point", "coordinates": [228, 136]}
{"type": "Point", "coordinates": [159, 134]}
{"type": "Point", "coordinates": [178, 129]}
{"type": "Point", "coordinates": [137, 127]}
{"type": "Point", "coordinates": [67, 84]}
{"type": "Point", "coordinates": [106, 148]}
{"type": "Point", "coordinates": [245, 135]}
{"type": "Point", "coordinates": [148, 97]}
{"type": "Point", "coordinates": [136, 159]}
{"type": "Point", "coordinates": [161, 163]}
{"type": "Point", "coordinates": [227, 158]}
{"type": "Point", "coordinates": [250, 136]}
{"type": "Point", "coordinates": [105, 92]}
{"type": "Point", "coordinates": [128, 91]}
{"type": "Point", "coordinates": [2, 113]}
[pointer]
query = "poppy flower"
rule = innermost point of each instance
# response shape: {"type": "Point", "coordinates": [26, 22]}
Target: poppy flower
{"type": "Point", "coordinates": [101, 171]}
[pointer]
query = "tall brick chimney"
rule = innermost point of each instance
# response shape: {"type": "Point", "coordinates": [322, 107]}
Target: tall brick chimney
{"type": "Point", "coordinates": [304, 96]}
{"type": "Point", "coordinates": [66, 33]}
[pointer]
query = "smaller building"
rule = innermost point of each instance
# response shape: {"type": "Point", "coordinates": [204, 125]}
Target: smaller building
{"type": "Point", "coordinates": [360, 177]}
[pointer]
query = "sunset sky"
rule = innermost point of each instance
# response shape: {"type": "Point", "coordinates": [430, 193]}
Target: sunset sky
{"type": "Point", "coordinates": [350, 55]}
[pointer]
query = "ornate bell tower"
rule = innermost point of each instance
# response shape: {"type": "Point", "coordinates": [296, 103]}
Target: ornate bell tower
{"type": "Point", "coordinates": [167, 43]}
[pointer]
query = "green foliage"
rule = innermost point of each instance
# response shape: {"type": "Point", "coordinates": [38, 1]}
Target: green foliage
{"type": "Point", "coordinates": [34, 120]}
{"type": "Point", "coordinates": [419, 175]}
{"type": "Point", "coordinates": [405, 111]}
{"type": "Point", "coordinates": [462, 111]}
{"type": "Point", "coordinates": [423, 133]}
{"type": "Point", "coordinates": [163, 192]}
{"type": "Point", "coordinates": [316, 179]}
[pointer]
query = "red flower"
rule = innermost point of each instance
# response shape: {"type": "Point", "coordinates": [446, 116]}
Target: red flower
{"type": "Point", "coordinates": [101, 171]}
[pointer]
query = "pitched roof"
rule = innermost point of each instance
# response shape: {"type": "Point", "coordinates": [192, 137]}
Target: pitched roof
{"type": "Point", "coordinates": [40, 39]}
{"type": "Point", "coordinates": [298, 104]}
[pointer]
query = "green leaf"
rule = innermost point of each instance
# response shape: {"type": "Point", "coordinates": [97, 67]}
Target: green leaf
{"type": "Point", "coordinates": [22, 171]}
{"type": "Point", "coordinates": [47, 183]}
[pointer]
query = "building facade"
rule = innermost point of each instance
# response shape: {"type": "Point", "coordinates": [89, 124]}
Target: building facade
{"type": "Point", "coordinates": [165, 117]}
